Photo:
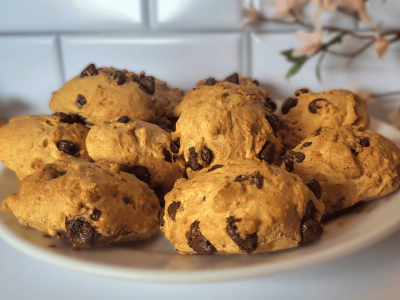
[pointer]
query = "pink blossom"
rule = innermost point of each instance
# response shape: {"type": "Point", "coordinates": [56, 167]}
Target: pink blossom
{"type": "Point", "coordinates": [355, 5]}
{"type": "Point", "coordinates": [381, 43]}
{"type": "Point", "coordinates": [365, 95]}
{"type": "Point", "coordinates": [252, 16]}
{"type": "Point", "coordinates": [287, 8]}
{"type": "Point", "coordinates": [311, 42]}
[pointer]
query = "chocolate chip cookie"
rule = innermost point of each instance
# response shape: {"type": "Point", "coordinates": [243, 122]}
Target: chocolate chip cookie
{"type": "Point", "coordinates": [350, 165]}
{"type": "Point", "coordinates": [30, 142]}
{"type": "Point", "coordinates": [105, 94]}
{"type": "Point", "coordinates": [144, 150]}
{"type": "Point", "coordinates": [226, 126]}
{"type": "Point", "coordinates": [241, 207]}
{"type": "Point", "coordinates": [309, 112]}
{"type": "Point", "coordinates": [91, 204]}
{"type": "Point", "coordinates": [207, 87]}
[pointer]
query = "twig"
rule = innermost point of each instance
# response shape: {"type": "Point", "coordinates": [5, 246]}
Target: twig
{"type": "Point", "coordinates": [387, 94]}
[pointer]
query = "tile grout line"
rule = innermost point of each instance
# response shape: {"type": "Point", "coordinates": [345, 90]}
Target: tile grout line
{"type": "Point", "coordinates": [60, 57]}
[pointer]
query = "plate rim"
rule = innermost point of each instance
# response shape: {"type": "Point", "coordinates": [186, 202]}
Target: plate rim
{"type": "Point", "coordinates": [184, 276]}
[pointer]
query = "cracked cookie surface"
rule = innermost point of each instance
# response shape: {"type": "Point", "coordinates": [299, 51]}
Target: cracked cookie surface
{"type": "Point", "coordinates": [309, 112]}
{"type": "Point", "coordinates": [145, 149]}
{"type": "Point", "coordinates": [30, 142]}
{"type": "Point", "coordinates": [241, 207]}
{"type": "Point", "coordinates": [350, 165]}
{"type": "Point", "coordinates": [205, 88]}
{"type": "Point", "coordinates": [226, 126]}
{"type": "Point", "coordinates": [105, 94]}
{"type": "Point", "coordinates": [91, 204]}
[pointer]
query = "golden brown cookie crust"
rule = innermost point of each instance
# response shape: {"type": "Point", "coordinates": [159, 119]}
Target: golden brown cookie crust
{"type": "Point", "coordinates": [350, 165]}
{"type": "Point", "coordinates": [203, 92]}
{"type": "Point", "coordinates": [138, 144]}
{"type": "Point", "coordinates": [316, 111]}
{"type": "Point", "coordinates": [227, 126]}
{"type": "Point", "coordinates": [108, 93]}
{"type": "Point", "coordinates": [116, 205]}
{"type": "Point", "coordinates": [32, 141]}
{"type": "Point", "coordinates": [269, 202]}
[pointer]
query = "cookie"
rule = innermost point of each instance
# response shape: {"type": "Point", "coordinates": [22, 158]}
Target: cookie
{"type": "Point", "coordinates": [90, 204]}
{"type": "Point", "coordinates": [30, 142]}
{"type": "Point", "coordinates": [350, 165]}
{"type": "Point", "coordinates": [144, 149]}
{"type": "Point", "coordinates": [241, 207]}
{"type": "Point", "coordinates": [207, 87]}
{"type": "Point", "coordinates": [105, 94]}
{"type": "Point", "coordinates": [171, 96]}
{"type": "Point", "coordinates": [226, 126]}
{"type": "Point", "coordinates": [309, 112]}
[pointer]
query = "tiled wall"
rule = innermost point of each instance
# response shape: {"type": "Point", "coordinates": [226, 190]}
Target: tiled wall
{"type": "Point", "coordinates": [43, 43]}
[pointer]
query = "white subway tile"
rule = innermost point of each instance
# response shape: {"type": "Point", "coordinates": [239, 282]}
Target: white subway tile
{"type": "Point", "coordinates": [181, 60]}
{"type": "Point", "coordinates": [195, 14]}
{"type": "Point", "coordinates": [270, 67]}
{"type": "Point", "coordinates": [29, 73]}
{"type": "Point", "coordinates": [71, 15]}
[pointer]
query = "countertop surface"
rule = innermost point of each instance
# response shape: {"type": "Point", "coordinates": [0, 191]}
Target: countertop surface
{"type": "Point", "coordinates": [372, 273]}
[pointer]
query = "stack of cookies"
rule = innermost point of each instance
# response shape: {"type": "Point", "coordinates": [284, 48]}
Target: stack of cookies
{"type": "Point", "coordinates": [125, 154]}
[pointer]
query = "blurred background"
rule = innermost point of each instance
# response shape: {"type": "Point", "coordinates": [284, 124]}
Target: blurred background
{"type": "Point", "coordinates": [44, 43]}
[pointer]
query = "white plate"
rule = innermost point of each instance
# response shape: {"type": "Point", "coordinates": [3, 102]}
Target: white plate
{"type": "Point", "coordinates": [155, 259]}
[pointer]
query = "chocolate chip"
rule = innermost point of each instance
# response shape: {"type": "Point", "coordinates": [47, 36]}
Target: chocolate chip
{"type": "Point", "coordinates": [210, 81]}
{"type": "Point", "coordinates": [174, 148]}
{"type": "Point", "coordinates": [80, 234]}
{"type": "Point", "coordinates": [311, 231]}
{"type": "Point", "coordinates": [288, 104]}
{"type": "Point", "coordinates": [256, 82]}
{"type": "Point", "coordinates": [193, 162]}
{"type": "Point", "coordinates": [70, 118]}
{"type": "Point", "coordinates": [177, 143]}
{"type": "Point", "coordinates": [364, 142]}
{"type": "Point", "coordinates": [160, 193]}
{"type": "Point", "coordinates": [313, 107]}
{"type": "Point", "coordinates": [267, 153]}
{"type": "Point", "coordinates": [302, 91]}
{"type": "Point", "coordinates": [288, 165]}
{"type": "Point", "coordinates": [96, 215]}
{"type": "Point", "coordinates": [311, 211]}
{"type": "Point", "coordinates": [234, 78]}
{"type": "Point", "coordinates": [249, 244]}
{"type": "Point", "coordinates": [274, 122]}
{"type": "Point", "coordinates": [120, 77]}
{"type": "Point", "coordinates": [214, 167]}
{"type": "Point", "coordinates": [141, 173]}
{"type": "Point", "coordinates": [354, 151]}
{"type": "Point", "coordinates": [68, 147]}
{"type": "Point", "coordinates": [298, 155]}
{"type": "Point", "coordinates": [314, 186]}
{"type": "Point", "coordinates": [127, 200]}
{"type": "Point", "coordinates": [242, 178]}
{"type": "Point", "coordinates": [148, 84]}
{"type": "Point", "coordinates": [197, 241]}
{"type": "Point", "coordinates": [167, 156]}
{"type": "Point", "coordinates": [172, 208]}
{"type": "Point", "coordinates": [80, 101]}
{"type": "Point", "coordinates": [318, 132]}
{"type": "Point", "coordinates": [90, 70]}
{"type": "Point", "coordinates": [160, 217]}
{"type": "Point", "coordinates": [305, 145]}
{"type": "Point", "coordinates": [257, 179]}
{"type": "Point", "coordinates": [123, 119]}
{"type": "Point", "coordinates": [206, 155]}
{"type": "Point", "coordinates": [57, 174]}
{"type": "Point", "coordinates": [271, 105]}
